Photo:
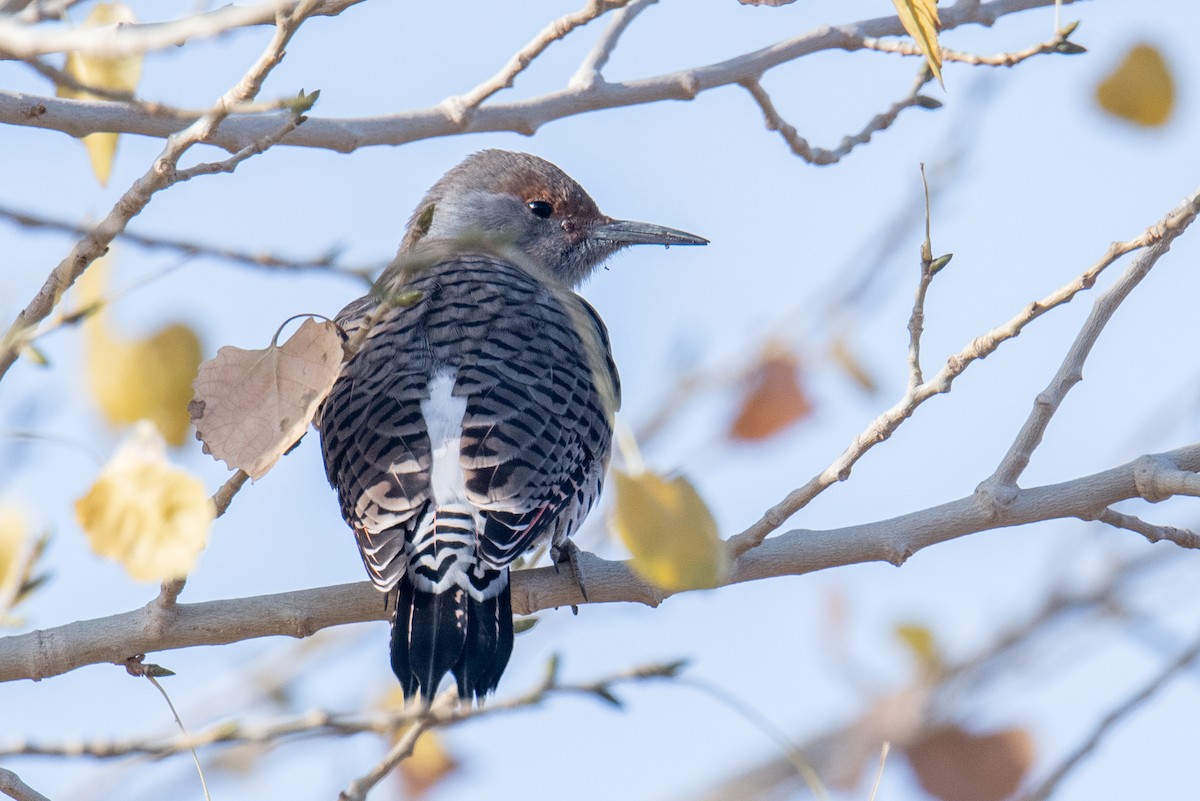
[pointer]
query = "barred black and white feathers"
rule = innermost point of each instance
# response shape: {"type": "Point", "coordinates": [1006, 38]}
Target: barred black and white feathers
{"type": "Point", "coordinates": [476, 419]}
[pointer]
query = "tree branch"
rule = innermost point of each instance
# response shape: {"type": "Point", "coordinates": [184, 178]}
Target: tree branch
{"type": "Point", "coordinates": [12, 786]}
{"type": "Point", "coordinates": [818, 155]}
{"type": "Point", "coordinates": [1158, 237]}
{"type": "Point", "coordinates": [187, 248]}
{"type": "Point", "coordinates": [460, 107]}
{"type": "Point", "coordinates": [20, 41]}
{"type": "Point", "coordinates": [1106, 725]}
{"type": "Point", "coordinates": [162, 174]}
{"type": "Point", "coordinates": [40, 654]}
{"type": "Point", "coordinates": [78, 117]}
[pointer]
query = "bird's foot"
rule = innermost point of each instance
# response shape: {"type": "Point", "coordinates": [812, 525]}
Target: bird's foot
{"type": "Point", "coordinates": [568, 553]}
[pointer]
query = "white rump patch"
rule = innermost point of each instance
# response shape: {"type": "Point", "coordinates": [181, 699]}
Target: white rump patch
{"type": "Point", "coordinates": [443, 413]}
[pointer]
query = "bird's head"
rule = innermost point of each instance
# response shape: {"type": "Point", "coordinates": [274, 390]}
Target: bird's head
{"type": "Point", "coordinates": [531, 205]}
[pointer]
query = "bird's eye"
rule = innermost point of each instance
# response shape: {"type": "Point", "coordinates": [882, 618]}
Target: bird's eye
{"type": "Point", "coordinates": [540, 208]}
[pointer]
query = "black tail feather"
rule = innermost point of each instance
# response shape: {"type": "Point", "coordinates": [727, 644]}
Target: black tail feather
{"type": "Point", "coordinates": [437, 633]}
{"type": "Point", "coordinates": [401, 625]}
{"type": "Point", "coordinates": [488, 646]}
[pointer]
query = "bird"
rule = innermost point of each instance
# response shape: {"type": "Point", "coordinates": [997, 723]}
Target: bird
{"type": "Point", "coordinates": [475, 420]}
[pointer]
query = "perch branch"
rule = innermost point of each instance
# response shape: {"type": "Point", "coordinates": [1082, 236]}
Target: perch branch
{"type": "Point", "coordinates": [41, 654]}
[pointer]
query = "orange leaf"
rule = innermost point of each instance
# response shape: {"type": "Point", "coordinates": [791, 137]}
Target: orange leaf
{"type": "Point", "coordinates": [774, 399]}
{"type": "Point", "coordinates": [955, 765]}
{"type": "Point", "coordinates": [429, 763]}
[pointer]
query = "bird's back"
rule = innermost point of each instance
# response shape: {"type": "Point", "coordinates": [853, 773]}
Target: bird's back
{"type": "Point", "coordinates": [473, 423]}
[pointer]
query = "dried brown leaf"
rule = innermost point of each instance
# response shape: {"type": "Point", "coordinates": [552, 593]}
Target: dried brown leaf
{"type": "Point", "coordinates": [251, 406]}
{"type": "Point", "coordinates": [956, 765]}
{"type": "Point", "coordinates": [774, 398]}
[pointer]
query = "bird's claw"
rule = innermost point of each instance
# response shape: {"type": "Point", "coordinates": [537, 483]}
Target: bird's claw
{"type": "Point", "coordinates": [568, 552]}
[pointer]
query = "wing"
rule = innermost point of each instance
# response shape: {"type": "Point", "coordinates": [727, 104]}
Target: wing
{"type": "Point", "coordinates": [376, 450]}
{"type": "Point", "coordinates": [541, 392]}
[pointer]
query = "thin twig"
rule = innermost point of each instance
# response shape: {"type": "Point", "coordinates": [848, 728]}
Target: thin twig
{"type": "Point", "coordinates": [1058, 44]}
{"type": "Point", "coordinates": [63, 79]}
{"type": "Point", "coordinates": [459, 107]}
{"type": "Point", "coordinates": [883, 755]}
{"type": "Point", "coordinates": [820, 156]}
{"type": "Point", "coordinates": [224, 496]}
{"type": "Point", "coordinates": [253, 149]}
{"type": "Point", "coordinates": [161, 175]}
{"type": "Point", "coordinates": [1182, 537]}
{"type": "Point", "coordinates": [321, 722]}
{"type": "Point", "coordinates": [1106, 724]}
{"type": "Point", "coordinates": [179, 722]}
{"type": "Point", "coordinates": [916, 321]}
{"type": "Point", "coordinates": [791, 751]}
{"type": "Point", "coordinates": [402, 749]}
{"type": "Point", "coordinates": [1157, 241]}
{"type": "Point", "coordinates": [20, 41]}
{"type": "Point", "coordinates": [590, 70]}
{"type": "Point", "coordinates": [267, 260]}
{"type": "Point", "coordinates": [1171, 226]}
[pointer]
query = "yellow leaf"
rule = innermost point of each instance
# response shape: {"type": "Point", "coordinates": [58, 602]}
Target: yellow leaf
{"type": "Point", "coordinates": [119, 74]}
{"type": "Point", "coordinates": [920, 19]}
{"type": "Point", "coordinates": [1140, 89]}
{"type": "Point", "coordinates": [669, 531]}
{"type": "Point", "coordinates": [921, 643]}
{"type": "Point", "coordinates": [14, 545]}
{"type": "Point", "coordinates": [151, 517]}
{"type": "Point", "coordinates": [846, 358]}
{"type": "Point", "coordinates": [139, 379]}
{"type": "Point", "coordinates": [252, 405]}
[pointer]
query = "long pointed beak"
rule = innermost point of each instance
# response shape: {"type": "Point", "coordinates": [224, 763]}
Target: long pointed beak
{"type": "Point", "coordinates": [628, 232]}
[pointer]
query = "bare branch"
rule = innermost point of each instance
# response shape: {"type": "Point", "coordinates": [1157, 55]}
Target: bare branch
{"type": "Point", "coordinates": [402, 749]}
{"type": "Point", "coordinates": [1158, 240]}
{"type": "Point", "coordinates": [251, 259]}
{"type": "Point", "coordinates": [79, 118]}
{"type": "Point", "coordinates": [12, 786]}
{"type": "Point", "coordinates": [916, 320]}
{"type": "Point", "coordinates": [1059, 44]}
{"type": "Point", "coordinates": [460, 107]}
{"type": "Point", "coordinates": [162, 174]}
{"type": "Point", "coordinates": [589, 71]}
{"type": "Point", "coordinates": [320, 722]}
{"type": "Point", "coordinates": [224, 496]}
{"type": "Point", "coordinates": [1157, 236]}
{"type": "Point", "coordinates": [816, 155]}
{"type": "Point", "coordinates": [253, 149]}
{"type": "Point", "coordinates": [50, 652]}
{"type": "Point", "coordinates": [1109, 722]}
{"type": "Point", "coordinates": [1182, 537]}
{"type": "Point", "coordinates": [18, 41]}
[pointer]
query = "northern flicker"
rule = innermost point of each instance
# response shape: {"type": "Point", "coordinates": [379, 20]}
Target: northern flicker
{"type": "Point", "coordinates": [475, 422]}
